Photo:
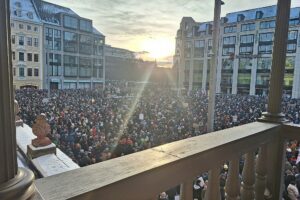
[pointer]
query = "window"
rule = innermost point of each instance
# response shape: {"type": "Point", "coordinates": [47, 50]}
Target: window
{"type": "Point", "coordinates": [248, 27]}
{"type": "Point", "coordinates": [36, 29]}
{"type": "Point", "coordinates": [29, 71]}
{"type": "Point", "coordinates": [28, 27]}
{"type": "Point", "coordinates": [36, 42]}
{"type": "Point", "coordinates": [246, 50]}
{"type": "Point", "coordinates": [293, 35]}
{"type": "Point", "coordinates": [240, 17]}
{"type": "Point", "coordinates": [227, 64]}
{"type": "Point", "coordinates": [228, 51]}
{"type": "Point", "coordinates": [198, 72]}
{"type": "Point", "coordinates": [70, 65]}
{"type": "Point", "coordinates": [85, 45]}
{"type": "Point", "coordinates": [12, 25]}
{"type": "Point", "coordinates": [14, 55]}
{"type": "Point", "coordinates": [54, 65]}
{"type": "Point", "coordinates": [246, 44]}
{"type": "Point", "coordinates": [98, 46]}
{"type": "Point", "coordinates": [188, 49]}
{"type": "Point", "coordinates": [30, 15]}
{"type": "Point", "coordinates": [29, 41]}
{"type": "Point", "coordinates": [70, 42]}
{"type": "Point", "coordinates": [85, 67]}
{"type": "Point", "coordinates": [259, 14]}
{"type": "Point", "coordinates": [57, 39]}
{"type": "Point", "coordinates": [98, 68]}
{"type": "Point", "coordinates": [230, 29]}
{"type": "Point", "coordinates": [85, 25]}
{"type": "Point", "coordinates": [18, 13]}
{"type": "Point", "coordinates": [244, 78]}
{"type": "Point", "coordinates": [21, 40]}
{"type": "Point", "coordinates": [265, 49]}
{"type": "Point", "coordinates": [245, 64]}
{"type": "Point", "coordinates": [294, 22]}
{"type": "Point", "coordinates": [13, 39]}
{"type": "Point", "coordinates": [21, 56]}
{"type": "Point", "coordinates": [291, 48]}
{"type": "Point", "coordinates": [229, 40]}
{"type": "Point", "coordinates": [49, 38]}
{"type": "Point", "coordinates": [199, 48]}
{"type": "Point", "coordinates": [70, 22]}
{"type": "Point", "coordinates": [247, 39]}
{"type": "Point", "coordinates": [29, 57]}
{"type": "Point", "coordinates": [36, 72]}
{"type": "Point", "coordinates": [21, 72]}
{"type": "Point", "coordinates": [267, 24]}
{"type": "Point", "coordinates": [36, 57]}
{"type": "Point", "coordinates": [14, 71]}
{"type": "Point", "coordinates": [21, 26]}
{"type": "Point", "coordinates": [262, 79]}
{"type": "Point", "coordinates": [264, 63]}
{"type": "Point", "coordinates": [266, 37]}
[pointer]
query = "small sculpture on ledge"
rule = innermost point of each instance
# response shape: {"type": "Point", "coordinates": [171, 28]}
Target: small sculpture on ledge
{"type": "Point", "coordinates": [41, 129]}
{"type": "Point", "coordinates": [41, 145]}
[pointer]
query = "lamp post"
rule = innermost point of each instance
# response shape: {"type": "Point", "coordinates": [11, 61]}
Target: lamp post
{"type": "Point", "coordinates": [213, 66]}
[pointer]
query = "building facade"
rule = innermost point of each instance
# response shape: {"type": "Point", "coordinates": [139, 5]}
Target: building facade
{"type": "Point", "coordinates": [26, 41]}
{"type": "Point", "coordinates": [244, 53]}
{"type": "Point", "coordinates": [72, 49]}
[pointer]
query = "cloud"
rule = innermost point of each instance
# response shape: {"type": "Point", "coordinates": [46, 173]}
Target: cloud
{"type": "Point", "coordinates": [126, 22]}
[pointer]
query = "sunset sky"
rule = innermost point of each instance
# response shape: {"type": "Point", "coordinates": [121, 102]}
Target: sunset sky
{"type": "Point", "coordinates": [151, 25]}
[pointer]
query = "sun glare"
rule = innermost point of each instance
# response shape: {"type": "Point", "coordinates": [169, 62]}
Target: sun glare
{"type": "Point", "coordinates": [158, 47]}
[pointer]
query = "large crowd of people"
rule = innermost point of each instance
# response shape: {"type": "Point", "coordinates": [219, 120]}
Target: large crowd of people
{"type": "Point", "coordinates": [91, 126]}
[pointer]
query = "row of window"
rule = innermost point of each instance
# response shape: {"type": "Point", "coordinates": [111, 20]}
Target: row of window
{"type": "Point", "coordinates": [262, 25]}
{"type": "Point", "coordinates": [74, 66]}
{"type": "Point", "coordinates": [21, 41]}
{"type": "Point", "coordinates": [81, 24]}
{"type": "Point", "coordinates": [30, 57]}
{"type": "Point", "coordinates": [28, 27]}
{"type": "Point", "coordinates": [30, 72]}
{"type": "Point", "coordinates": [73, 42]}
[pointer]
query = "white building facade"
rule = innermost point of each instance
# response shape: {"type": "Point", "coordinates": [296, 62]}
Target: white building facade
{"type": "Point", "coordinates": [26, 41]}
{"type": "Point", "coordinates": [244, 55]}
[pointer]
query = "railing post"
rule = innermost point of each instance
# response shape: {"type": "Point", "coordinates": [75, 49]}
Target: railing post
{"type": "Point", "coordinates": [248, 177]}
{"type": "Point", "coordinates": [186, 190]}
{"type": "Point", "coordinates": [213, 188]}
{"type": "Point", "coordinates": [275, 166]}
{"type": "Point", "coordinates": [233, 181]}
{"type": "Point", "coordinates": [14, 183]}
{"type": "Point", "coordinates": [261, 172]}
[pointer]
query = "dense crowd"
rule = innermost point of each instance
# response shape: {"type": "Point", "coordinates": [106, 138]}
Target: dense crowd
{"type": "Point", "coordinates": [91, 126]}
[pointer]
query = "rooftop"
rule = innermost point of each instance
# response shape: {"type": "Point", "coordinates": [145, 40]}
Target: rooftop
{"type": "Point", "coordinates": [24, 10]}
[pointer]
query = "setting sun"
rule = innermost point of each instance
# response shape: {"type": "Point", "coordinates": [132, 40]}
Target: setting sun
{"type": "Point", "coordinates": [158, 47]}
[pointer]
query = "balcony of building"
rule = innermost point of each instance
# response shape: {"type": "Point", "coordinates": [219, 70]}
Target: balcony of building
{"type": "Point", "coordinates": [143, 175]}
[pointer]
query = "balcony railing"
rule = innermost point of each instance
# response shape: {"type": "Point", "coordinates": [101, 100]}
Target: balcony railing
{"type": "Point", "coordinates": [145, 174]}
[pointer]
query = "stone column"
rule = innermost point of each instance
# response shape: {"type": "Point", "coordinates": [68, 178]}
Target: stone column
{"type": "Point", "coordinates": [273, 113]}
{"type": "Point", "coordinates": [14, 183]}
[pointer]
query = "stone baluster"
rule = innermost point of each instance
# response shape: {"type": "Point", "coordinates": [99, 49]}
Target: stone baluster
{"type": "Point", "coordinates": [261, 173]}
{"type": "Point", "coordinates": [233, 181]}
{"type": "Point", "coordinates": [213, 188]}
{"type": "Point", "coordinates": [186, 190]}
{"type": "Point", "coordinates": [248, 177]}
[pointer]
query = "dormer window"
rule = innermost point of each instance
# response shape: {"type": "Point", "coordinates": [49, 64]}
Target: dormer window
{"type": "Point", "coordinates": [240, 17]}
{"type": "Point", "coordinates": [18, 4]}
{"type": "Point", "coordinates": [259, 14]}
{"type": "Point", "coordinates": [18, 13]}
{"type": "Point", "coordinates": [30, 15]}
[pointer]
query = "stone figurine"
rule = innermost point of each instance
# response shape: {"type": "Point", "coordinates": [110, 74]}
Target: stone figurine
{"type": "Point", "coordinates": [41, 129]}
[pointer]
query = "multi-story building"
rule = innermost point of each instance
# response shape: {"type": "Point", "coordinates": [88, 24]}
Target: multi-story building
{"type": "Point", "coordinates": [72, 48]}
{"type": "Point", "coordinates": [244, 53]}
{"type": "Point", "coordinates": [26, 40]}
